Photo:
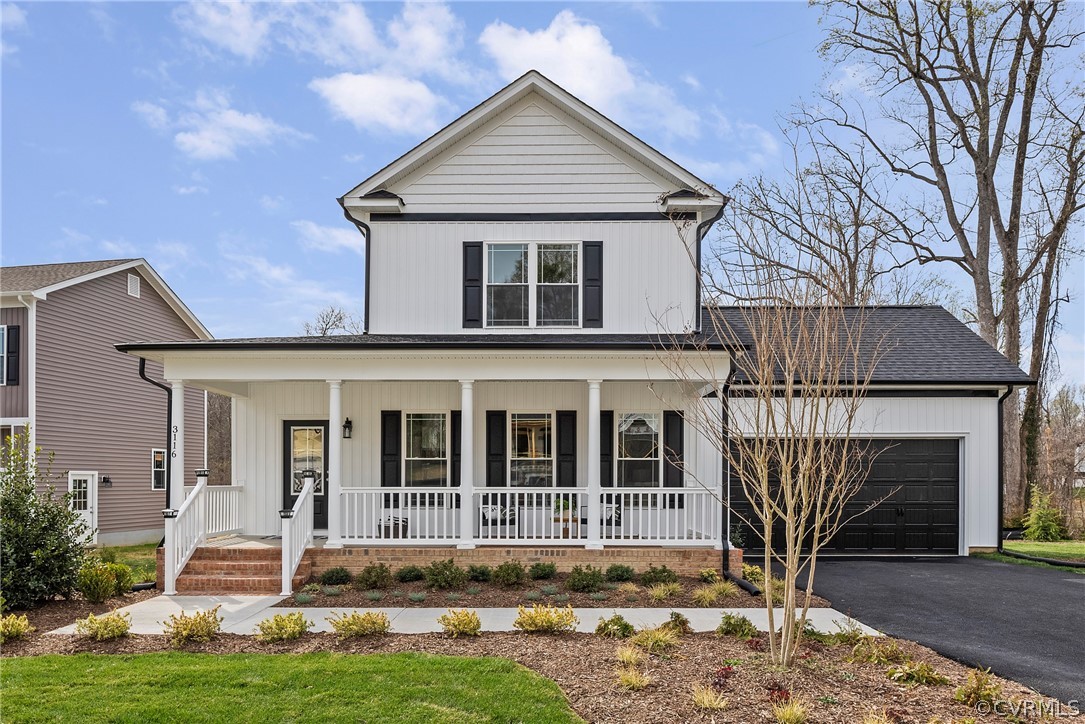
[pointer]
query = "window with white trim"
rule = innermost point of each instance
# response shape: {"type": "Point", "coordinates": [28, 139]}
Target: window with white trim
{"type": "Point", "coordinates": [425, 461]}
{"type": "Point", "coordinates": [133, 285]}
{"type": "Point", "coordinates": [158, 469]}
{"type": "Point", "coordinates": [3, 354]}
{"type": "Point", "coordinates": [533, 284]}
{"type": "Point", "coordinates": [531, 449]}
{"type": "Point", "coordinates": [639, 458]}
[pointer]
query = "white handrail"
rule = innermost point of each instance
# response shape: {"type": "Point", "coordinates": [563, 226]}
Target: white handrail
{"type": "Point", "coordinates": [389, 515]}
{"type": "Point", "coordinates": [661, 515]}
{"type": "Point", "coordinates": [185, 529]}
{"type": "Point", "coordinates": [297, 533]}
{"type": "Point", "coordinates": [223, 509]}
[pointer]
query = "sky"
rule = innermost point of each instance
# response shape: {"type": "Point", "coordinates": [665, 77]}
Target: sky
{"type": "Point", "coordinates": [213, 139]}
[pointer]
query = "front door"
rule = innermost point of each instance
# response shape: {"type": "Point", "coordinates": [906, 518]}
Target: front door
{"type": "Point", "coordinates": [83, 487]}
{"type": "Point", "coordinates": [305, 447]}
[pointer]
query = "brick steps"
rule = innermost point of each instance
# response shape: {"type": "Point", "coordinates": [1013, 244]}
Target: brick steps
{"type": "Point", "coordinates": [212, 571]}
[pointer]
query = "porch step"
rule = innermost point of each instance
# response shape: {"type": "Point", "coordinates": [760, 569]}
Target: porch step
{"type": "Point", "coordinates": [212, 571]}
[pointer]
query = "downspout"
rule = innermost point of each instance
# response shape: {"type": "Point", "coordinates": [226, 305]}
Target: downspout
{"type": "Point", "coordinates": [366, 233]}
{"type": "Point", "coordinates": [169, 426]}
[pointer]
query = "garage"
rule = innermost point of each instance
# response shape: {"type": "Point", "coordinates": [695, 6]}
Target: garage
{"type": "Point", "coordinates": [919, 480]}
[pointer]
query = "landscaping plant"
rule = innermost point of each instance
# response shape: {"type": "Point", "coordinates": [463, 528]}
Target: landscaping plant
{"type": "Point", "coordinates": [709, 575]}
{"type": "Point", "coordinates": [356, 625]}
{"type": "Point", "coordinates": [103, 628]}
{"type": "Point", "coordinates": [753, 574]}
{"type": "Point", "coordinates": [460, 622]}
{"type": "Point", "coordinates": [878, 650]}
{"type": "Point", "coordinates": [543, 571]}
{"type": "Point", "coordinates": [375, 595]}
{"type": "Point", "coordinates": [480, 574]}
{"type": "Point", "coordinates": [615, 627]}
{"type": "Point", "coordinates": [662, 591]}
{"type": "Point", "coordinates": [510, 573]}
{"type": "Point", "coordinates": [791, 711]}
{"type": "Point", "coordinates": [303, 598]}
{"type": "Point", "coordinates": [619, 573]}
{"type": "Point", "coordinates": [444, 574]}
{"type": "Point", "coordinates": [654, 576]}
{"type": "Point", "coordinates": [375, 576]}
{"type": "Point", "coordinates": [914, 673]}
{"type": "Point", "coordinates": [337, 576]}
{"type": "Point", "coordinates": [122, 577]}
{"type": "Point", "coordinates": [632, 679]}
{"type": "Point", "coordinates": [416, 597]}
{"type": "Point", "coordinates": [629, 656]}
{"type": "Point", "coordinates": [980, 687]}
{"type": "Point", "coordinates": [14, 627]}
{"type": "Point", "coordinates": [678, 623]}
{"type": "Point", "coordinates": [545, 619]}
{"type": "Point", "coordinates": [655, 640]}
{"type": "Point", "coordinates": [706, 697]}
{"type": "Point", "coordinates": [201, 626]}
{"type": "Point", "coordinates": [96, 581]}
{"type": "Point", "coordinates": [332, 591]}
{"type": "Point", "coordinates": [283, 627]}
{"type": "Point", "coordinates": [737, 625]}
{"type": "Point", "coordinates": [1044, 520]}
{"type": "Point", "coordinates": [409, 574]}
{"type": "Point", "coordinates": [585, 579]}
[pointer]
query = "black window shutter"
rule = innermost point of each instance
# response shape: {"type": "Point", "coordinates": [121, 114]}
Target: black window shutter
{"type": "Point", "coordinates": [566, 448]}
{"type": "Point", "coordinates": [593, 284]}
{"type": "Point", "coordinates": [391, 447]}
{"type": "Point", "coordinates": [674, 456]}
{"type": "Point", "coordinates": [606, 448]}
{"type": "Point", "coordinates": [496, 451]}
{"type": "Point", "coordinates": [454, 423]}
{"type": "Point", "coordinates": [12, 352]}
{"type": "Point", "coordinates": [472, 284]}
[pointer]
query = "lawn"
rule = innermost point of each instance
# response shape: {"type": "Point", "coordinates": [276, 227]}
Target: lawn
{"type": "Point", "coordinates": [1001, 558]}
{"type": "Point", "coordinates": [1063, 550]}
{"type": "Point", "coordinates": [403, 687]}
{"type": "Point", "coordinates": [141, 559]}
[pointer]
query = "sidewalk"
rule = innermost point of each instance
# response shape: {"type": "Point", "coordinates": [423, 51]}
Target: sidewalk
{"type": "Point", "coordinates": [241, 614]}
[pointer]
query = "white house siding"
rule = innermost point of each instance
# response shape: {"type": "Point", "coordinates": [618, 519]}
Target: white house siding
{"type": "Point", "coordinates": [972, 420]}
{"type": "Point", "coordinates": [259, 435]}
{"type": "Point", "coordinates": [416, 280]}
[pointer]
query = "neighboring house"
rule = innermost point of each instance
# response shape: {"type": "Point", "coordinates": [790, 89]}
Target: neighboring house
{"type": "Point", "coordinates": [523, 273]}
{"type": "Point", "coordinates": [84, 402]}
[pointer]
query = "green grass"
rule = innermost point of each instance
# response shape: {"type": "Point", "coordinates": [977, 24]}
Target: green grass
{"type": "Point", "coordinates": [1021, 562]}
{"type": "Point", "coordinates": [166, 687]}
{"type": "Point", "coordinates": [1063, 550]}
{"type": "Point", "coordinates": [139, 558]}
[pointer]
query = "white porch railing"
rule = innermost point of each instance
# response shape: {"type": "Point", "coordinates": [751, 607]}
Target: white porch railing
{"type": "Point", "coordinates": [636, 516]}
{"type": "Point", "coordinates": [531, 515]}
{"type": "Point", "coordinates": [185, 530]}
{"type": "Point", "coordinates": [297, 533]}
{"type": "Point", "coordinates": [415, 515]}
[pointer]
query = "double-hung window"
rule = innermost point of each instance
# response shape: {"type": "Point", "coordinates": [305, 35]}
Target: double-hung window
{"type": "Point", "coordinates": [158, 469]}
{"type": "Point", "coordinates": [639, 457]}
{"type": "Point", "coordinates": [426, 458]}
{"type": "Point", "coordinates": [531, 454]}
{"type": "Point", "coordinates": [533, 284]}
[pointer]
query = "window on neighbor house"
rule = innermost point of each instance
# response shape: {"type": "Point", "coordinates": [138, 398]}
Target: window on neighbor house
{"type": "Point", "coordinates": [426, 458]}
{"type": "Point", "coordinates": [531, 454]}
{"type": "Point", "coordinates": [533, 284]}
{"type": "Point", "coordinates": [158, 469]}
{"type": "Point", "coordinates": [639, 457]}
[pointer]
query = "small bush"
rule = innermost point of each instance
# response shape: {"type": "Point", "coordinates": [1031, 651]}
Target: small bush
{"type": "Point", "coordinates": [283, 627]}
{"type": "Point", "coordinates": [849, 632]}
{"type": "Point", "coordinates": [705, 697]}
{"type": "Point", "coordinates": [737, 625]}
{"type": "Point", "coordinates": [629, 588]}
{"type": "Point", "coordinates": [753, 574]}
{"type": "Point", "coordinates": [561, 598]}
{"type": "Point", "coordinates": [678, 623]}
{"type": "Point", "coordinates": [878, 650]}
{"type": "Point", "coordinates": [615, 627]}
{"type": "Point", "coordinates": [725, 589]}
{"type": "Point", "coordinates": [549, 590]}
{"type": "Point", "coordinates": [416, 597]}
{"type": "Point", "coordinates": [620, 574]}
{"type": "Point", "coordinates": [374, 577]}
{"type": "Point", "coordinates": [654, 576]}
{"type": "Point", "coordinates": [461, 622]}
{"type": "Point", "coordinates": [303, 598]}
{"type": "Point", "coordinates": [97, 582]}
{"type": "Point", "coordinates": [14, 627]}
{"type": "Point", "coordinates": [914, 673]}
{"type": "Point", "coordinates": [337, 576]}
{"type": "Point", "coordinates": [629, 656]}
{"type": "Point", "coordinates": [107, 555]}
{"type": "Point", "coordinates": [510, 573]}
{"type": "Point", "coordinates": [445, 574]}
{"type": "Point", "coordinates": [201, 626]}
{"type": "Point", "coordinates": [980, 687]}
{"type": "Point", "coordinates": [332, 591]}
{"type": "Point", "coordinates": [409, 574]}
{"type": "Point", "coordinates": [597, 596]}
{"type": "Point", "coordinates": [543, 571]}
{"type": "Point", "coordinates": [545, 619]}
{"type": "Point", "coordinates": [104, 628]}
{"type": "Point", "coordinates": [532, 596]}
{"type": "Point", "coordinates": [792, 711]}
{"type": "Point", "coordinates": [474, 591]}
{"type": "Point", "coordinates": [709, 575]}
{"type": "Point", "coordinates": [374, 595]}
{"type": "Point", "coordinates": [356, 625]}
{"type": "Point", "coordinates": [705, 596]}
{"type": "Point", "coordinates": [453, 596]}
{"type": "Point", "coordinates": [810, 633]}
{"type": "Point", "coordinates": [586, 579]}
{"type": "Point", "coordinates": [311, 588]}
{"type": "Point", "coordinates": [123, 578]}
{"type": "Point", "coordinates": [662, 591]}
{"type": "Point", "coordinates": [1044, 520]}
{"type": "Point", "coordinates": [632, 679]}
{"type": "Point", "coordinates": [655, 640]}
{"type": "Point", "coordinates": [480, 574]}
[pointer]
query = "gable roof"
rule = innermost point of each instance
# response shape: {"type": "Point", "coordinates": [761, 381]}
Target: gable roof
{"type": "Point", "coordinates": [531, 82]}
{"type": "Point", "coordinates": [39, 280]}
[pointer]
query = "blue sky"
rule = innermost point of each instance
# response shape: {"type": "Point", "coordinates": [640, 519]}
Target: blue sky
{"type": "Point", "coordinates": [214, 139]}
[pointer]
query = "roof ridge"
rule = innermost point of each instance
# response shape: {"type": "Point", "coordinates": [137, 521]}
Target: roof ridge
{"type": "Point", "coordinates": [72, 263]}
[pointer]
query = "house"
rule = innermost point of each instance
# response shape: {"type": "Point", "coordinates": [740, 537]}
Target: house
{"type": "Point", "coordinates": [82, 402]}
{"type": "Point", "coordinates": [524, 267]}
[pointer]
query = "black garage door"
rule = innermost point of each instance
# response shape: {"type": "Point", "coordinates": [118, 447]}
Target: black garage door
{"type": "Point", "coordinates": [922, 481]}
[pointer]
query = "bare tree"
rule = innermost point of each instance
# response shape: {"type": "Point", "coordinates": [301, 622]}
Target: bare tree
{"type": "Point", "coordinates": [1062, 454]}
{"type": "Point", "coordinates": [979, 107]}
{"type": "Point", "coordinates": [332, 320]}
{"type": "Point", "coordinates": [219, 439]}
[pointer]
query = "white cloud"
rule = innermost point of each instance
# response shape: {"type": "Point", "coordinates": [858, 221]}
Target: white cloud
{"type": "Point", "coordinates": [270, 203]}
{"type": "Point", "coordinates": [12, 19]}
{"type": "Point", "coordinates": [152, 114]}
{"type": "Point", "coordinates": [239, 27]}
{"type": "Point", "coordinates": [353, 157]}
{"type": "Point", "coordinates": [189, 190]}
{"type": "Point", "coordinates": [290, 288]}
{"type": "Point", "coordinates": [691, 80]}
{"type": "Point", "coordinates": [107, 24]}
{"type": "Point", "coordinates": [339, 34]}
{"type": "Point", "coordinates": [745, 148]}
{"type": "Point", "coordinates": [426, 38]}
{"type": "Point", "coordinates": [329, 238]}
{"type": "Point", "coordinates": [372, 101]}
{"type": "Point", "coordinates": [576, 55]}
{"type": "Point", "coordinates": [647, 10]}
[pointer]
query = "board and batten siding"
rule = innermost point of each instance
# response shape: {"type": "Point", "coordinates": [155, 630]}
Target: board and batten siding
{"type": "Point", "coordinates": [258, 428]}
{"type": "Point", "coordinates": [15, 400]}
{"type": "Point", "coordinates": [416, 278]}
{"type": "Point", "coordinates": [971, 420]}
{"type": "Point", "coordinates": [93, 410]}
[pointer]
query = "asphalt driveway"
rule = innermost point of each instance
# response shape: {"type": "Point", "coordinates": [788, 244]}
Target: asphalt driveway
{"type": "Point", "coordinates": [1025, 623]}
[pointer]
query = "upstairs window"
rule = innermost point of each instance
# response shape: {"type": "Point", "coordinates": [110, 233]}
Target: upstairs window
{"type": "Point", "coordinates": [533, 284]}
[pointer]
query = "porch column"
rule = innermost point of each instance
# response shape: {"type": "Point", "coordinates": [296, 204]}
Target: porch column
{"type": "Point", "coordinates": [467, 464]}
{"type": "Point", "coordinates": [335, 463]}
{"type": "Point", "coordinates": [177, 444]}
{"type": "Point", "coordinates": [595, 491]}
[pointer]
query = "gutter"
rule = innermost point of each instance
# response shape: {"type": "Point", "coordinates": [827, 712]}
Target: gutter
{"type": "Point", "coordinates": [169, 426]}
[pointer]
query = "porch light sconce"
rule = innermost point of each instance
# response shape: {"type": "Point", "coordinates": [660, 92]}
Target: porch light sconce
{"type": "Point", "coordinates": [105, 482]}
{"type": "Point", "coordinates": [348, 428]}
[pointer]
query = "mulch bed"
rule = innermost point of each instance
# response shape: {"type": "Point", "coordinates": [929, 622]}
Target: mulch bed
{"type": "Point", "coordinates": [52, 615]}
{"type": "Point", "coordinates": [491, 595]}
{"type": "Point", "coordinates": [583, 665]}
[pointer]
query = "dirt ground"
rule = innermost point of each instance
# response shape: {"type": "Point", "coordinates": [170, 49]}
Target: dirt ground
{"type": "Point", "coordinates": [52, 615]}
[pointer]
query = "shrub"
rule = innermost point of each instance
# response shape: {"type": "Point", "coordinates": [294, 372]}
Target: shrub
{"type": "Point", "coordinates": [725, 588]}
{"type": "Point", "coordinates": [14, 627]}
{"type": "Point", "coordinates": [510, 573]}
{"type": "Point", "coordinates": [753, 574]}
{"type": "Point", "coordinates": [107, 555]}
{"type": "Point", "coordinates": [460, 622]}
{"type": "Point", "coordinates": [444, 574]}
{"type": "Point", "coordinates": [849, 632]}
{"type": "Point", "coordinates": [123, 576]}
{"type": "Point", "coordinates": [533, 596]}
{"type": "Point", "coordinates": [615, 627]}
{"type": "Point", "coordinates": [480, 574]}
{"type": "Point", "coordinates": [474, 591]}
{"type": "Point", "coordinates": [586, 579]}
{"type": "Point", "coordinates": [283, 627]}
{"type": "Point", "coordinates": [303, 598]}
{"type": "Point", "coordinates": [332, 591]}
{"type": "Point", "coordinates": [878, 650]}
{"type": "Point", "coordinates": [311, 588]}
{"type": "Point", "coordinates": [543, 571]}
{"type": "Point", "coordinates": [337, 576]}
{"type": "Point", "coordinates": [916, 672]}
{"type": "Point", "coordinates": [103, 628]}
{"type": "Point", "coordinates": [980, 687]}
{"type": "Point", "coordinates": [97, 582]}
{"type": "Point", "coordinates": [629, 588]}
{"type": "Point", "coordinates": [549, 590]}
{"type": "Point", "coordinates": [792, 711]}
{"type": "Point", "coordinates": [408, 574]}
{"type": "Point", "coordinates": [662, 591]}
{"type": "Point", "coordinates": [654, 576]}
{"type": "Point", "coordinates": [709, 575]}
{"type": "Point", "coordinates": [416, 597]}
{"type": "Point", "coordinates": [182, 628]}
{"type": "Point", "coordinates": [597, 596]}
{"type": "Point", "coordinates": [678, 623]}
{"type": "Point", "coordinates": [561, 598]}
{"type": "Point", "coordinates": [620, 574]}
{"type": "Point", "coordinates": [545, 619]}
{"type": "Point", "coordinates": [1044, 520]}
{"type": "Point", "coordinates": [632, 679]}
{"type": "Point", "coordinates": [737, 625]}
{"type": "Point", "coordinates": [629, 656]}
{"type": "Point", "coordinates": [655, 640]}
{"type": "Point", "coordinates": [705, 596]}
{"type": "Point", "coordinates": [355, 625]}
{"type": "Point", "coordinates": [812, 634]}
{"type": "Point", "coordinates": [705, 697]}
{"type": "Point", "coordinates": [374, 595]}
{"type": "Point", "coordinates": [42, 540]}
{"type": "Point", "coordinates": [374, 577]}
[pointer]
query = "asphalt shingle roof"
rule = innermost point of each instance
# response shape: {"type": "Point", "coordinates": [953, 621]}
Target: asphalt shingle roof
{"type": "Point", "coordinates": [36, 276]}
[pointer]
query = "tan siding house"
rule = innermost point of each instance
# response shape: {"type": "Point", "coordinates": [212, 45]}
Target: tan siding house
{"type": "Point", "coordinates": [84, 401]}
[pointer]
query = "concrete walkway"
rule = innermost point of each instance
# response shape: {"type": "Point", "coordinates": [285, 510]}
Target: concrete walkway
{"type": "Point", "coordinates": [241, 614]}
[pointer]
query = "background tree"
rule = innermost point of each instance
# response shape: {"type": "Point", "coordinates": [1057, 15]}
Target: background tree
{"type": "Point", "coordinates": [1062, 455]}
{"type": "Point", "coordinates": [332, 320]}
{"type": "Point", "coordinates": [219, 439]}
